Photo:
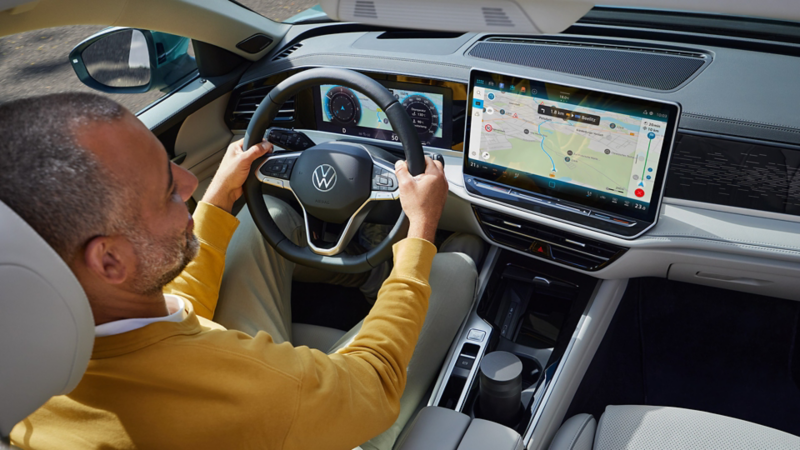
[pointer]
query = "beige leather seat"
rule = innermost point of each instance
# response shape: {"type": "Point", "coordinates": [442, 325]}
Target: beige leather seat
{"type": "Point", "coordinates": [46, 325]}
{"type": "Point", "coordinates": [655, 427]}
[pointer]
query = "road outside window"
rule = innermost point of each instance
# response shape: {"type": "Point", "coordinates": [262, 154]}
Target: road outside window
{"type": "Point", "coordinates": [36, 63]}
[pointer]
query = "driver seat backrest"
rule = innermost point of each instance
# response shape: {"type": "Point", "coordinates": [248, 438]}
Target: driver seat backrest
{"type": "Point", "coordinates": [46, 324]}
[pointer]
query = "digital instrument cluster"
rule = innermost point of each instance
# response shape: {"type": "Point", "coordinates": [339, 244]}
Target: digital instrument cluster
{"type": "Point", "coordinates": [587, 157]}
{"type": "Point", "coordinates": [346, 111]}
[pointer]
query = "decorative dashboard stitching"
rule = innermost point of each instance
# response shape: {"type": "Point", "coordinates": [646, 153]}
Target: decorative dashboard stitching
{"type": "Point", "coordinates": [734, 244]}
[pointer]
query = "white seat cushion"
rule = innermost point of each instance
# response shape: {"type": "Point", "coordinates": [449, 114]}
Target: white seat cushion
{"type": "Point", "coordinates": [315, 336]}
{"type": "Point", "coordinates": [658, 427]}
{"type": "Point", "coordinates": [653, 427]}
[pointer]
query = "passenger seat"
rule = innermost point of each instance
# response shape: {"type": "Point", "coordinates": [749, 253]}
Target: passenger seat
{"type": "Point", "coordinates": [656, 427]}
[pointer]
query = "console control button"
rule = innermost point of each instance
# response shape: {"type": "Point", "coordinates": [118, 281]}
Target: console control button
{"type": "Point", "coordinates": [465, 362]}
{"type": "Point", "coordinates": [476, 335]}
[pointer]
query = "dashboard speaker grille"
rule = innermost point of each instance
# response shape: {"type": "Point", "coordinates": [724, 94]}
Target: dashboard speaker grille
{"type": "Point", "coordinates": [496, 17]}
{"type": "Point", "coordinates": [365, 9]}
{"type": "Point", "coordinates": [725, 172]}
{"type": "Point", "coordinates": [661, 70]}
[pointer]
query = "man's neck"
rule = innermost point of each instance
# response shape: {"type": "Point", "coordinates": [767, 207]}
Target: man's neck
{"type": "Point", "coordinates": [127, 306]}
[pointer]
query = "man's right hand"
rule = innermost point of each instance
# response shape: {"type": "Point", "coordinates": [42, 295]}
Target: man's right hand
{"type": "Point", "coordinates": [422, 197]}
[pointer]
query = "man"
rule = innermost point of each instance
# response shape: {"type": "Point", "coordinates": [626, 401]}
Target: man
{"type": "Point", "coordinates": [99, 187]}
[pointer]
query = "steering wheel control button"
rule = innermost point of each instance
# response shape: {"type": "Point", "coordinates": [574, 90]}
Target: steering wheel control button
{"type": "Point", "coordinates": [383, 180]}
{"type": "Point", "coordinates": [278, 167]}
{"type": "Point", "coordinates": [476, 335]}
{"type": "Point", "coordinates": [289, 139]}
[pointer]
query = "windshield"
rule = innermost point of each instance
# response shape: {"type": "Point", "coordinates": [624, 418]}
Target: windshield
{"type": "Point", "coordinates": [281, 10]}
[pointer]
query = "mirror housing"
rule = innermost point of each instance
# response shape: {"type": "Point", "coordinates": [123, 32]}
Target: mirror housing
{"type": "Point", "coordinates": [129, 61]}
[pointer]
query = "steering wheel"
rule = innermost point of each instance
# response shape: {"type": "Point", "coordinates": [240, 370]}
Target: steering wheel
{"type": "Point", "coordinates": [336, 183]}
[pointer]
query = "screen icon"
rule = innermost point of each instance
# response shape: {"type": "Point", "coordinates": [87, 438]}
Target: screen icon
{"type": "Point", "coordinates": [522, 89]}
{"type": "Point", "coordinates": [488, 128]}
{"type": "Point", "coordinates": [511, 87]}
{"type": "Point", "coordinates": [639, 192]}
{"type": "Point", "coordinates": [491, 96]}
{"type": "Point", "coordinates": [480, 81]}
{"type": "Point", "coordinates": [502, 85]}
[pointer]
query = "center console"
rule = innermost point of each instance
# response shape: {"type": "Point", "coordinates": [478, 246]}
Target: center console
{"type": "Point", "coordinates": [514, 340]}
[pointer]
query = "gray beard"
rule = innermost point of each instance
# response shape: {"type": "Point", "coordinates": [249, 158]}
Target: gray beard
{"type": "Point", "coordinates": [161, 260]}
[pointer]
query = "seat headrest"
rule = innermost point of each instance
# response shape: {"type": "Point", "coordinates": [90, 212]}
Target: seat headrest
{"type": "Point", "coordinates": [46, 324]}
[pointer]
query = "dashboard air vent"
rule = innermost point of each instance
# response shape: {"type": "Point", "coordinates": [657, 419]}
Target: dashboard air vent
{"type": "Point", "coordinates": [546, 242]}
{"type": "Point", "coordinates": [287, 51]}
{"type": "Point", "coordinates": [653, 68]}
{"type": "Point", "coordinates": [496, 17]}
{"type": "Point", "coordinates": [248, 102]}
{"type": "Point", "coordinates": [365, 9]}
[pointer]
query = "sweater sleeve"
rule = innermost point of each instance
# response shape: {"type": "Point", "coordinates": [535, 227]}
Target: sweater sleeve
{"type": "Point", "coordinates": [200, 281]}
{"type": "Point", "coordinates": [348, 397]}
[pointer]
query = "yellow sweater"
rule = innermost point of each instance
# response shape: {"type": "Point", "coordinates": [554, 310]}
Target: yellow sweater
{"type": "Point", "coordinates": [195, 385]}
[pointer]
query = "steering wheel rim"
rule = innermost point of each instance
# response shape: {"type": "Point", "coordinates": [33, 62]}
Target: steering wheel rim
{"type": "Point", "coordinates": [262, 118]}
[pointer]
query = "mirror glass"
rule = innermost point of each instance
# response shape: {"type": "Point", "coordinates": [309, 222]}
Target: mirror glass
{"type": "Point", "coordinates": [119, 59]}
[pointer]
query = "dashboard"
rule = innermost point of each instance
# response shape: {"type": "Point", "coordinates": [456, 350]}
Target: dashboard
{"type": "Point", "coordinates": [715, 191]}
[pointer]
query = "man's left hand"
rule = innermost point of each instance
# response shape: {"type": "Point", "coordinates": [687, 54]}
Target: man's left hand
{"type": "Point", "coordinates": [226, 187]}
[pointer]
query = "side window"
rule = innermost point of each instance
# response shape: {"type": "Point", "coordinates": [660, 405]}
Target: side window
{"type": "Point", "coordinates": [37, 63]}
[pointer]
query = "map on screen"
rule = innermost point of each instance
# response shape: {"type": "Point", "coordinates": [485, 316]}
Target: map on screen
{"type": "Point", "coordinates": [594, 148]}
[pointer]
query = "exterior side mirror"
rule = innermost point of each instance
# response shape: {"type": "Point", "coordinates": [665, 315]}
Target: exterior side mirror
{"type": "Point", "coordinates": [129, 61]}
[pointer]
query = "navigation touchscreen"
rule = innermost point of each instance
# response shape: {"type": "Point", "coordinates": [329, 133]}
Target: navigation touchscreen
{"type": "Point", "coordinates": [578, 147]}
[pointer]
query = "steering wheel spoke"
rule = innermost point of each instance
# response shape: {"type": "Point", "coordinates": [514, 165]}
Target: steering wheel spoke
{"type": "Point", "coordinates": [277, 169]}
{"type": "Point", "coordinates": [329, 239]}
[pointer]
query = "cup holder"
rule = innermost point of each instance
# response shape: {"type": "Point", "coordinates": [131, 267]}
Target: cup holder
{"type": "Point", "coordinates": [504, 380]}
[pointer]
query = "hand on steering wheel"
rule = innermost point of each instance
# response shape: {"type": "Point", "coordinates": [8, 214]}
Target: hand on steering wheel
{"type": "Point", "coordinates": [336, 183]}
{"type": "Point", "coordinates": [422, 197]}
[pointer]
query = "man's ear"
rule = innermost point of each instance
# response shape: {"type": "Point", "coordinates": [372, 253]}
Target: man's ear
{"type": "Point", "coordinates": [107, 259]}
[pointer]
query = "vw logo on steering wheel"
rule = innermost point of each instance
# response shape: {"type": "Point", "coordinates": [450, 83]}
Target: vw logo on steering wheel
{"type": "Point", "coordinates": [324, 177]}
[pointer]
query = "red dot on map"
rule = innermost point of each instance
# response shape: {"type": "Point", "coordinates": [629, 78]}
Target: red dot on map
{"type": "Point", "coordinates": [639, 192]}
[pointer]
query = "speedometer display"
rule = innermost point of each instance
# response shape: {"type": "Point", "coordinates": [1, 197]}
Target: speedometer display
{"type": "Point", "coordinates": [424, 115]}
{"type": "Point", "coordinates": [346, 111]}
